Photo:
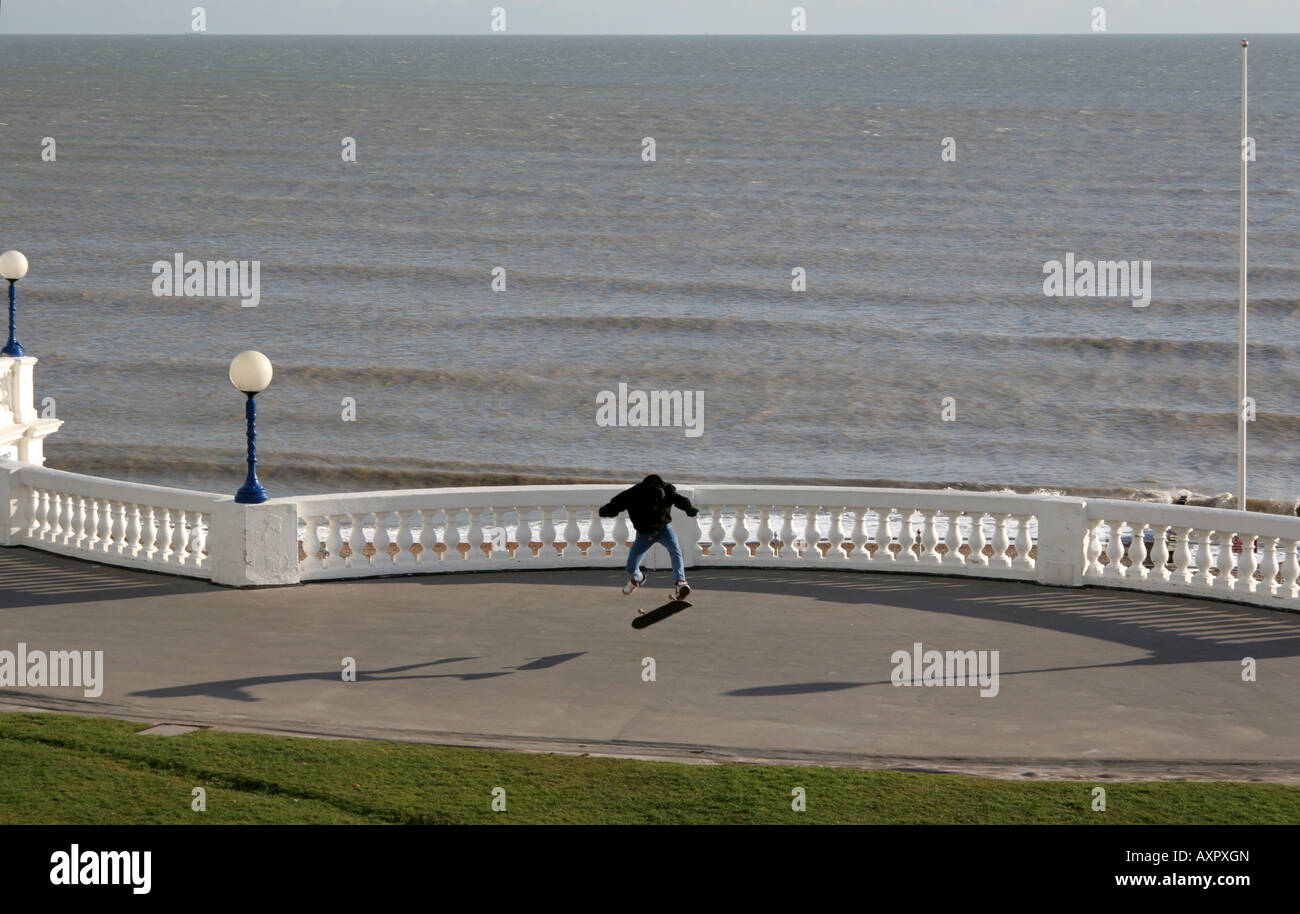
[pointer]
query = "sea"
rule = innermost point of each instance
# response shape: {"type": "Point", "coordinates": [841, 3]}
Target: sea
{"type": "Point", "coordinates": [835, 245]}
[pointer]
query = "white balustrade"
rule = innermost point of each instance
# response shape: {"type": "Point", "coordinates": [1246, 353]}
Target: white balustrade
{"type": "Point", "coordinates": [1210, 552]}
{"type": "Point", "coordinates": [118, 523]}
{"type": "Point", "coordinates": [1230, 555]}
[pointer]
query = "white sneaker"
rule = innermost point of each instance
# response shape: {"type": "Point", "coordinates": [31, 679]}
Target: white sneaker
{"type": "Point", "coordinates": [632, 584]}
{"type": "Point", "coordinates": [681, 591]}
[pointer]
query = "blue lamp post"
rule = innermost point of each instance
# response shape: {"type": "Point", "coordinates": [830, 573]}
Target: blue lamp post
{"type": "Point", "coordinates": [13, 267]}
{"type": "Point", "coordinates": [250, 372]}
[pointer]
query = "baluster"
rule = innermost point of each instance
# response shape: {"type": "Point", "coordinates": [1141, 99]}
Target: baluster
{"type": "Point", "coordinates": [930, 537]}
{"type": "Point", "coordinates": [715, 533]}
{"type": "Point", "coordinates": [739, 532]}
{"type": "Point", "coordinates": [494, 537]}
{"type": "Point", "coordinates": [49, 515]}
{"type": "Point", "coordinates": [1206, 561]}
{"type": "Point", "coordinates": [622, 537]}
{"type": "Point", "coordinates": [91, 543]}
{"type": "Point", "coordinates": [133, 528]}
{"type": "Point", "coordinates": [311, 544]}
{"type": "Point", "coordinates": [910, 531]}
{"type": "Point", "coordinates": [952, 540]}
{"type": "Point", "coordinates": [405, 539]}
{"type": "Point", "coordinates": [547, 535]}
{"type": "Point", "coordinates": [1135, 570]}
{"type": "Point", "coordinates": [835, 533]}
{"type": "Point", "coordinates": [1248, 564]}
{"type": "Point", "coordinates": [382, 540]}
{"type": "Point", "coordinates": [451, 535]}
{"type": "Point", "coordinates": [356, 541]}
{"type": "Point", "coordinates": [523, 533]}
{"type": "Point", "coordinates": [884, 538]}
{"type": "Point", "coordinates": [763, 533]}
{"type": "Point", "coordinates": [1269, 566]}
{"type": "Point", "coordinates": [33, 501]}
{"type": "Point", "coordinates": [1115, 550]}
{"type": "Point", "coordinates": [333, 542]}
{"type": "Point", "coordinates": [693, 533]}
{"type": "Point", "coordinates": [780, 534]}
{"type": "Point", "coordinates": [176, 541]}
{"type": "Point", "coordinates": [54, 518]}
{"type": "Point", "coordinates": [474, 534]}
{"type": "Point", "coordinates": [67, 521]}
{"type": "Point", "coordinates": [78, 541]}
{"type": "Point", "coordinates": [104, 542]}
{"type": "Point", "coordinates": [917, 521]}
{"type": "Point", "coordinates": [978, 541]}
{"type": "Point", "coordinates": [595, 532]}
{"type": "Point", "coordinates": [1002, 540]}
{"type": "Point", "coordinates": [608, 536]}
{"type": "Point", "coordinates": [720, 526]}
{"type": "Point", "coordinates": [571, 535]}
{"type": "Point", "coordinates": [858, 533]}
{"type": "Point", "coordinates": [1229, 561]}
{"type": "Point", "coordinates": [422, 546]}
{"type": "Point", "coordinates": [1094, 567]}
{"type": "Point", "coordinates": [50, 518]}
{"type": "Point", "coordinates": [811, 535]}
{"type": "Point", "coordinates": [1024, 544]}
{"type": "Point", "coordinates": [58, 520]}
{"type": "Point", "coordinates": [1290, 571]}
{"type": "Point", "coordinates": [118, 544]}
{"type": "Point", "coordinates": [149, 533]}
{"type": "Point", "coordinates": [1128, 551]}
{"type": "Point", "coordinates": [1158, 555]}
{"type": "Point", "coordinates": [163, 552]}
{"type": "Point", "coordinates": [1184, 570]}
{"type": "Point", "coordinates": [198, 546]}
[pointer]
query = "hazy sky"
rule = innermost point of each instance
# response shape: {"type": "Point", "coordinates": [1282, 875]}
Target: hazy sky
{"type": "Point", "coordinates": [533, 17]}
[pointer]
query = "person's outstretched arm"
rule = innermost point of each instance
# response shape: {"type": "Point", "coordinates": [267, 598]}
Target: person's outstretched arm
{"type": "Point", "coordinates": [683, 503]}
{"type": "Point", "coordinates": [615, 505]}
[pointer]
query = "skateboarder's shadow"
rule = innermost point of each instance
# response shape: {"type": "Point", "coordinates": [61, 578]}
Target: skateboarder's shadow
{"type": "Point", "coordinates": [236, 689]}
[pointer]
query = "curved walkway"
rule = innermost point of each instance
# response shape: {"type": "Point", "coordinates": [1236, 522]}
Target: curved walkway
{"type": "Point", "coordinates": [764, 666]}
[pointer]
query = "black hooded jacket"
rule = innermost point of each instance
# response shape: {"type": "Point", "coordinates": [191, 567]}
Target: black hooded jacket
{"type": "Point", "coordinates": [649, 505]}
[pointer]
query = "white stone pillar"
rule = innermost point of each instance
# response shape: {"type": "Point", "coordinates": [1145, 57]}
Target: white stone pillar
{"type": "Point", "coordinates": [1062, 541]}
{"type": "Point", "coordinates": [254, 545]}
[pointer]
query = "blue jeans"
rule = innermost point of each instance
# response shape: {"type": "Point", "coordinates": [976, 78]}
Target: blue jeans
{"type": "Point", "coordinates": [644, 541]}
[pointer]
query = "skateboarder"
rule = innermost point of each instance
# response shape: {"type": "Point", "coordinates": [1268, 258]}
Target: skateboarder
{"type": "Point", "coordinates": [649, 506]}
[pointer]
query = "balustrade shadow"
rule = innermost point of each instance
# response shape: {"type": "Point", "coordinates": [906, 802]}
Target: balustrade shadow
{"type": "Point", "coordinates": [236, 689]}
{"type": "Point", "coordinates": [29, 577]}
{"type": "Point", "coordinates": [1172, 629]}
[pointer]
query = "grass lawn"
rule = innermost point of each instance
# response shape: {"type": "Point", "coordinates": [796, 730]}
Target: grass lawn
{"type": "Point", "coordinates": [60, 769]}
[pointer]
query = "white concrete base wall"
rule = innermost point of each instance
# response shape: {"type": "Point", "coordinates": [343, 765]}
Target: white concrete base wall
{"type": "Point", "coordinates": [254, 545]}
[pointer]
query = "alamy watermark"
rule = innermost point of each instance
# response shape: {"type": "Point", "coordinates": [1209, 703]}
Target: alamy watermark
{"type": "Point", "coordinates": [920, 667]}
{"type": "Point", "coordinates": [1104, 278]}
{"type": "Point", "coordinates": [77, 867]}
{"type": "Point", "coordinates": [651, 409]}
{"type": "Point", "coordinates": [25, 669]}
{"type": "Point", "coordinates": [212, 279]}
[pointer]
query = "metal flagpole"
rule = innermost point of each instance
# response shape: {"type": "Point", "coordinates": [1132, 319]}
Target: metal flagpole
{"type": "Point", "coordinates": [1241, 319]}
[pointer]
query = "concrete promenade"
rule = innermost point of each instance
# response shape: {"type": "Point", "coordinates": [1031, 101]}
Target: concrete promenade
{"type": "Point", "coordinates": [767, 665]}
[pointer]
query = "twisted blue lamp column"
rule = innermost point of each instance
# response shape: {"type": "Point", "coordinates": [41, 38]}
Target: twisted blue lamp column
{"type": "Point", "coordinates": [251, 493]}
{"type": "Point", "coordinates": [13, 348]}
